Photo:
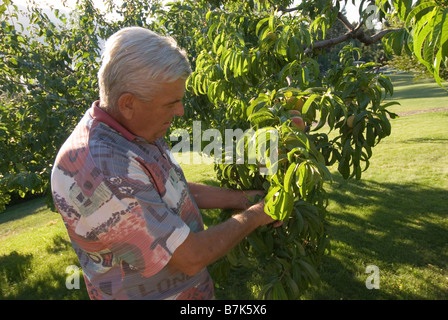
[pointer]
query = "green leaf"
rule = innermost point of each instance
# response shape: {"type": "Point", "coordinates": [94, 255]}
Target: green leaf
{"type": "Point", "coordinates": [444, 34]}
{"type": "Point", "coordinates": [302, 179]}
{"type": "Point", "coordinates": [257, 243]}
{"type": "Point", "coordinates": [278, 292]}
{"type": "Point", "coordinates": [289, 177]}
{"type": "Point", "coordinates": [418, 9]}
{"type": "Point", "coordinates": [260, 24]}
{"type": "Point", "coordinates": [308, 103]}
{"type": "Point", "coordinates": [386, 84]}
{"type": "Point", "coordinates": [272, 23]}
{"type": "Point", "coordinates": [309, 270]}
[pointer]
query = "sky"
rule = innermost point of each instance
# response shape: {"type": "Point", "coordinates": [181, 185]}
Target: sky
{"type": "Point", "coordinates": [352, 11]}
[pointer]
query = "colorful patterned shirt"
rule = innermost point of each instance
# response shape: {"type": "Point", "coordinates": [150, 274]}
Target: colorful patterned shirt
{"type": "Point", "coordinates": [127, 207]}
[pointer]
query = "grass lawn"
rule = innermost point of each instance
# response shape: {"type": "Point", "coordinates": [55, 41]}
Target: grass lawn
{"type": "Point", "coordinates": [34, 254]}
{"type": "Point", "coordinates": [416, 95]}
{"type": "Point", "coordinates": [395, 218]}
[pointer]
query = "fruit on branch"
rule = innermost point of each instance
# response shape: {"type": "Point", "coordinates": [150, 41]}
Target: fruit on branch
{"type": "Point", "coordinates": [298, 123]}
{"type": "Point", "coordinates": [271, 36]}
{"type": "Point", "coordinates": [350, 121]}
{"type": "Point", "coordinates": [297, 102]}
{"type": "Point", "coordinates": [293, 113]}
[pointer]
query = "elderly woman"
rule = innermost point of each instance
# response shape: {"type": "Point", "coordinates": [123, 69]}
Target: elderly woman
{"type": "Point", "coordinates": [133, 219]}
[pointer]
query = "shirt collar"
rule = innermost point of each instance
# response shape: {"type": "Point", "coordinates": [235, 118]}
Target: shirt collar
{"type": "Point", "coordinates": [100, 115]}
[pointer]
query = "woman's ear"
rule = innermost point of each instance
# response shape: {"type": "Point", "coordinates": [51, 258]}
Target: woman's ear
{"type": "Point", "coordinates": [126, 105]}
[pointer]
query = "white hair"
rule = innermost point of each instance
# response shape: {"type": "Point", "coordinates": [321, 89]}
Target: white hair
{"type": "Point", "coordinates": [136, 60]}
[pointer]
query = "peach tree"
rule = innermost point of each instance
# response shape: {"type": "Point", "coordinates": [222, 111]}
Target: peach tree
{"type": "Point", "coordinates": [258, 67]}
{"type": "Point", "coordinates": [257, 62]}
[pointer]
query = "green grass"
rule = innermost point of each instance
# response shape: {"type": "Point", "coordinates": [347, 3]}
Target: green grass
{"type": "Point", "coordinates": [34, 254]}
{"type": "Point", "coordinates": [415, 95]}
{"type": "Point", "coordinates": [396, 218]}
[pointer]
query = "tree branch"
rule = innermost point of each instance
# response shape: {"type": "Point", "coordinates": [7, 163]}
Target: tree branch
{"type": "Point", "coordinates": [353, 33]}
{"type": "Point", "coordinates": [286, 10]}
{"type": "Point", "coordinates": [345, 21]}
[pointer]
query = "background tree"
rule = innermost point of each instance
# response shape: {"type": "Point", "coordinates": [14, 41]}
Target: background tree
{"type": "Point", "coordinates": [254, 63]}
{"type": "Point", "coordinates": [46, 79]}
{"type": "Point", "coordinates": [423, 35]}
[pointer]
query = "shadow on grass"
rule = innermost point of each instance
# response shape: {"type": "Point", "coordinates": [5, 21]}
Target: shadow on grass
{"type": "Point", "coordinates": [394, 225]}
{"type": "Point", "coordinates": [13, 269]}
{"type": "Point", "coordinates": [407, 87]}
{"type": "Point", "coordinates": [18, 280]}
{"type": "Point", "coordinates": [427, 140]}
{"type": "Point", "coordinates": [419, 93]}
{"type": "Point", "coordinates": [21, 210]}
{"type": "Point", "coordinates": [60, 245]}
{"type": "Point", "coordinates": [388, 224]}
